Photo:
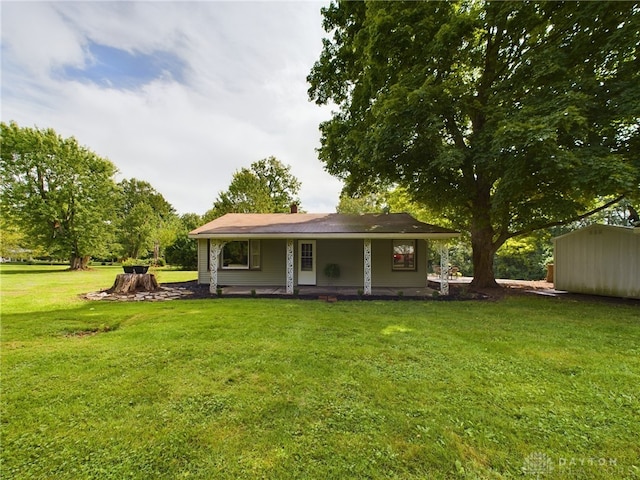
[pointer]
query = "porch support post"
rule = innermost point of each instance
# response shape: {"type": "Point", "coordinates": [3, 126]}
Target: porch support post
{"type": "Point", "coordinates": [215, 250]}
{"type": "Point", "coordinates": [426, 259]}
{"type": "Point", "coordinates": [289, 266]}
{"type": "Point", "coordinates": [444, 268]}
{"type": "Point", "coordinates": [367, 266]}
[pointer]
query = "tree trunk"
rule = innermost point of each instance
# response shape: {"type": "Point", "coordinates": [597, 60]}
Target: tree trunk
{"type": "Point", "coordinates": [481, 229]}
{"type": "Point", "coordinates": [134, 282]}
{"type": "Point", "coordinates": [483, 254]}
{"type": "Point", "coordinates": [79, 263]}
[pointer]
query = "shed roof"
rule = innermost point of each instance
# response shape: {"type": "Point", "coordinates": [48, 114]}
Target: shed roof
{"type": "Point", "coordinates": [317, 225]}
{"type": "Point", "coordinates": [598, 226]}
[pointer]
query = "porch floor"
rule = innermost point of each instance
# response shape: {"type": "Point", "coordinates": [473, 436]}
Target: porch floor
{"type": "Point", "coordinates": [318, 291]}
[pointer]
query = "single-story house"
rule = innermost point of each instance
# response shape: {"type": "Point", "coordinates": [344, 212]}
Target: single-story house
{"type": "Point", "coordinates": [599, 260]}
{"type": "Point", "coordinates": [292, 249]}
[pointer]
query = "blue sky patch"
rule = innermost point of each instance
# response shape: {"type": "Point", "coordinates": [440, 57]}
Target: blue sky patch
{"type": "Point", "coordinates": [114, 68]}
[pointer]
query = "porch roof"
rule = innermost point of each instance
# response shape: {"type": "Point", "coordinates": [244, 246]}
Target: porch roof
{"type": "Point", "coordinates": [320, 225]}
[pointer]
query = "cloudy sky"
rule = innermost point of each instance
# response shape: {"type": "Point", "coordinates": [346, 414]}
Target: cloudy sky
{"type": "Point", "coordinates": [180, 94]}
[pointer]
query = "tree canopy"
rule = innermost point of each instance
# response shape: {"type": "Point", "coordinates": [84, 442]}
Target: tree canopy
{"type": "Point", "coordinates": [146, 219]}
{"type": "Point", "coordinates": [184, 251]}
{"type": "Point", "coordinates": [58, 193]}
{"type": "Point", "coordinates": [267, 186]}
{"type": "Point", "coordinates": [507, 116]}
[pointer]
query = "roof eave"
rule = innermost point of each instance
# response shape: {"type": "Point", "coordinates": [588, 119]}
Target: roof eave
{"type": "Point", "coordinates": [313, 236]}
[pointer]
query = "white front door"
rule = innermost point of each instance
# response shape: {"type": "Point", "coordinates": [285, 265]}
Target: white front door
{"type": "Point", "coordinates": [306, 262]}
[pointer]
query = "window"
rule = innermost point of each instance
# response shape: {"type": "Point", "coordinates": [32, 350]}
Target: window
{"type": "Point", "coordinates": [306, 257]}
{"type": "Point", "coordinates": [235, 255]}
{"type": "Point", "coordinates": [241, 255]}
{"type": "Point", "coordinates": [404, 255]}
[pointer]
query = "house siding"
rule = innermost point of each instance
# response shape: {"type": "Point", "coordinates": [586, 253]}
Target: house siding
{"type": "Point", "coordinates": [348, 254]}
{"type": "Point", "coordinates": [382, 271]}
{"type": "Point", "coordinates": [272, 269]}
{"type": "Point", "coordinates": [600, 260]}
{"type": "Point", "coordinates": [203, 273]}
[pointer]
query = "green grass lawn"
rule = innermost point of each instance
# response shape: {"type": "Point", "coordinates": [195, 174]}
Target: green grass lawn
{"type": "Point", "coordinates": [253, 388]}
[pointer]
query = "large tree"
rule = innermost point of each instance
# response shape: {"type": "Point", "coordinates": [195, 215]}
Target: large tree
{"type": "Point", "coordinates": [507, 116]}
{"type": "Point", "coordinates": [58, 193]}
{"type": "Point", "coordinates": [183, 251]}
{"type": "Point", "coordinates": [267, 186]}
{"type": "Point", "coordinates": [146, 219]}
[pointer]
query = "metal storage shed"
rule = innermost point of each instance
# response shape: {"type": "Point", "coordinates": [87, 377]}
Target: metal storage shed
{"type": "Point", "coordinates": [599, 260]}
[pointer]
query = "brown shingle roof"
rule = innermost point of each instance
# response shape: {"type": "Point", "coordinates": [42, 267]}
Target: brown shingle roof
{"type": "Point", "coordinates": [319, 225]}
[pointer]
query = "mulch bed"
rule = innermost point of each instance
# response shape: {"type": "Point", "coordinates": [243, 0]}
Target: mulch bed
{"type": "Point", "coordinates": [201, 291]}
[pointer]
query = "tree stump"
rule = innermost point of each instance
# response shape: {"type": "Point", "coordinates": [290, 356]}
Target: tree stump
{"type": "Point", "coordinates": [127, 283]}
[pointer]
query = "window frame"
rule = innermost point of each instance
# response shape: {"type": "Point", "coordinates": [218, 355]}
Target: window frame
{"type": "Point", "coordinates": [254, 255]}
{"type": "Point", "coordinates": [414, 253]}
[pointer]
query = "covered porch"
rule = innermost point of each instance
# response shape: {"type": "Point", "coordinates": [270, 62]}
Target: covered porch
{"type": "Point", "coordinates": [370, 254]}
{"type": "Point", "coordinates": [365, 270]}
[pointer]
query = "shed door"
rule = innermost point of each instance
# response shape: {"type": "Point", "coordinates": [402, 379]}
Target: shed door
{"type": "Point", "coordinates": [306, 262]}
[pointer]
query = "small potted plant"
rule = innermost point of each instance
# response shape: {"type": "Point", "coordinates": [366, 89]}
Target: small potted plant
{"type": "Point", "coordinates": [133, 265]}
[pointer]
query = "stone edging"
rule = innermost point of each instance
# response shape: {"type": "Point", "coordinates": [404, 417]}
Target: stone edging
{"type": "Point", "coordinates": [164, 294]}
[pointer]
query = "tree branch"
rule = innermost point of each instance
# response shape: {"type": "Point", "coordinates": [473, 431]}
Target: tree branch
{"type": "Point", "coordinates": [455, 132]}
{"type": "Point", "coordinates": [570, 220]}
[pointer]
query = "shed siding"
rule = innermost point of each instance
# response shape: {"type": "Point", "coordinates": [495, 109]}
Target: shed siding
{"type": "Point", "coordinates": [600, 260]}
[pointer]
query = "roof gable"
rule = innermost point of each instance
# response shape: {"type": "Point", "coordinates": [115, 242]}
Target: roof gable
{"type": "Point", "coordinates": [318, 225]}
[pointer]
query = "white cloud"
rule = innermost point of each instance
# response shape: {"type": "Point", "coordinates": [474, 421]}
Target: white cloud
{"type": "Point", "coordinates": [39, 39]}
{"type": "Point", "coordinates": [240, 97]}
